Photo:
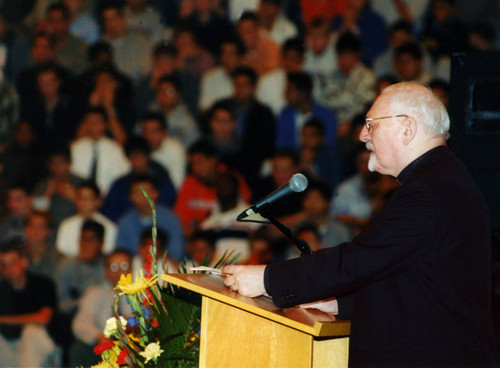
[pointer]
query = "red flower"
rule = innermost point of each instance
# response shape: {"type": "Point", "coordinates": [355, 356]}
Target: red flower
{"type": "Point", "coordinates": [121, 360]}
{"type": "Point", "coordinates": [101, 348]}
{"type": "Point", "coordinates": [148, 262]}
{"type": "Point", "coordinates": [155, 323]}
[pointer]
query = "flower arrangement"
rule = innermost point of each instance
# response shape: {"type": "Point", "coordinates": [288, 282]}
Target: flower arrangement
{"type": "Point", "coordinates": [164, 329]}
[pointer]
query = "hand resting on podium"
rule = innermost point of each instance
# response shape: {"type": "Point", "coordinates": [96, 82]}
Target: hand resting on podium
{"type": "Point", "coordinates": [246, 280]}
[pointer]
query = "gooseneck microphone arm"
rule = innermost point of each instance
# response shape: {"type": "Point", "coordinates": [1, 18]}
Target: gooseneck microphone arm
{"type": "Point", "coordinates": [298, 183]}
{"type": "Point", "coordinates": [301, 245]}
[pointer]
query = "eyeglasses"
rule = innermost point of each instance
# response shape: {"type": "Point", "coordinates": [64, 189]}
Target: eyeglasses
{"type": "Point", "coordinates": [368, 121]}
{"type": "Point", "coordinates": [115, 267]}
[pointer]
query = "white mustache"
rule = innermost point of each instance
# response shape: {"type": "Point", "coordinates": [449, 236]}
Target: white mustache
{"type": "Point", "coordinates": [369, 146]}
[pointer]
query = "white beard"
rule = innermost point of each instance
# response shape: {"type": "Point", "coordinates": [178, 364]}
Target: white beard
{"type": "Point", "coordinates": [372, 161]}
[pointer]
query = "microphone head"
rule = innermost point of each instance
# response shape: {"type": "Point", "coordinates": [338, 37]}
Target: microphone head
{"type": "Point", "coordinates": [298, 183]}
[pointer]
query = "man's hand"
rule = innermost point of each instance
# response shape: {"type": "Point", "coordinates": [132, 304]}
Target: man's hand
{"type": "Point", "coordinates": [246, 280]}
{"type": "Point", "coordinates": [329, 306]}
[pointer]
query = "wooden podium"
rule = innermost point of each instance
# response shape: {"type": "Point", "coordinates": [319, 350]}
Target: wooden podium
{"type": "Point", "coordinates": [237, 331]}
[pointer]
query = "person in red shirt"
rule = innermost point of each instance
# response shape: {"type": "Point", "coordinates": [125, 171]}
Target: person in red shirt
{"type": "Point", "coordinates": [196, 196]}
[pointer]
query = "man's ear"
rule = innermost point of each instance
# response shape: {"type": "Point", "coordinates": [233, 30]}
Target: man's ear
{"type": "Point", "coordinates": [409, 130]}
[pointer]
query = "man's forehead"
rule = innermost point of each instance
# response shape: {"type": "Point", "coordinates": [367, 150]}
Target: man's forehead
{"type": "Point", "coordinates": [381, 106]}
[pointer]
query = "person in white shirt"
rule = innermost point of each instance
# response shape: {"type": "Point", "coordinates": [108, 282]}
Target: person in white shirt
{"type": "Point", "coordinates": [217, 83]}
{"type": "Point", "coordinates": [95, 308]}
{"type": "Point", "coordinates": [271, 86]}
{"type": "Point", "coordinates": [95, 156]}
{"type": "Point", "coordinates": [88, 201]}
{"type": "Point", "coordinates": [274, 22]}
{"type": "Point", "coordinates": [167, 151]}
{"type": "Point", "coordinates": [320, 56]}
{"type": "Point", "coordinates": [182, 124]}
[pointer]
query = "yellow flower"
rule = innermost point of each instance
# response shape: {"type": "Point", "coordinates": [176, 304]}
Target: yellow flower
{"type": "Point", "coordinates": [111, 326]}
{"type": "Point", "coordinates": [152, 351]}
{"type": "Point", "coordinates": [103, 364]}
{"type": "Point", "coordinates": [126, 286]}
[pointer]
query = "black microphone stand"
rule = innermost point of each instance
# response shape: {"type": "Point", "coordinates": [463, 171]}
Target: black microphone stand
{"type": "Point", "coordinates": [301, 245]}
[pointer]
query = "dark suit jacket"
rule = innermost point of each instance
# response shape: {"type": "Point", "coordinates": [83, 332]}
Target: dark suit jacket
{"type": "Point", "coordinates": [257, 138]}
{"type": "Point", "coordinates": [421, 273]}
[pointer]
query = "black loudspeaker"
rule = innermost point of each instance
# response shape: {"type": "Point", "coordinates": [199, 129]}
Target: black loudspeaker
{"type": "Point", "coordinates": [474, 110]}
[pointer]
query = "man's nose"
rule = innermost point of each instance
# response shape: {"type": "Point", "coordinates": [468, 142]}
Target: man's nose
{"type": "Point", "coordinates": [364, 135]}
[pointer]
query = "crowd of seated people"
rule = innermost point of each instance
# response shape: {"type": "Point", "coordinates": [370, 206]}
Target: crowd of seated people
{"type": "Point", "coordinates": [207, 106]}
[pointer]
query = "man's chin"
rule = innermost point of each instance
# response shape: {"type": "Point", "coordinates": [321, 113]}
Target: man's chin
{"type": "Point", "coordinates": [372, 162]}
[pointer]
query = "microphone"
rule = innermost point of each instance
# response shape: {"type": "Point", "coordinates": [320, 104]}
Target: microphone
{"type": "Point", "coordinates": [297, 184]}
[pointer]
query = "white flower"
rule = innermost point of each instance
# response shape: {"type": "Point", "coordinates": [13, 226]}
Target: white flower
{"type": "Point", "coordinates": [152, 351]}
{"type": "Point", "coordinates": [111, 326]}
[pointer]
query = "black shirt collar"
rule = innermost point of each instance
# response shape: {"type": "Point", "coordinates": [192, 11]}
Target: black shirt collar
{"type": "Point", "coordinates": [405, 174]}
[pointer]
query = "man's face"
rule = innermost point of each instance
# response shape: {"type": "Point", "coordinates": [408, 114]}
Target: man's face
{"type": "Point", "coordinates": [37, 229]}
{"type": "Point", "coordinates": [90, 246]}
{"type": "Point", "coordinates": [292, 95]}
{"type": "Point", "coordinates": [167, 95]}
{"type": "Point", "coordinates": [382, 139]}
{"type": "Point", "coordinates": [408, 67]}
{"type": "Point", "coordinates": [243, 88]}
{"type": "Point", "coordinates": [223, 125]}
{"type": "Point", "coordinates": [13, 266]}
{"type": "Point", "coordinates": [153, 133]}
{"type": "Point", "coordinates": [229, 57]}
{"type": "Point", "coordinates": [95, 125]}
{"type": "Point", "coordinates": [114, 22]}
{"type": "Point", "coordinates": [283, 169]}
{"type": "Point", "coordinates": [86, 201]}
{"type": "Point", "coordinates": [311, 138]}
{"type": "Point", "coordinates": [59, 166]}
{"type": "Point", "coordinates": [203, 167]}
{"type": "Point", "coordinates": [18, 202]}
{"type": "Point", "coordinates": [347, 61]}
{"type": "Point", "coordinates": [292, 61]}
{"type": "Point", "coordinates": [318, 39]}
{"type": "Point", "coordinates": [117, 265]}
{"type": "Point", "coordinates": [139, 200]}
{"type": "Point", "coordinates": [315, 204]}
{"type": "Point", "coordinates": [139, 162]}
{"type": "Point", "coordinates": [41, 50]}
{"type": "Point", "coordinates": [57, 23]}
{"type": "Point", "coordinates": [48, 84]}
{"type": "Point", "coordinates": [248, 30]}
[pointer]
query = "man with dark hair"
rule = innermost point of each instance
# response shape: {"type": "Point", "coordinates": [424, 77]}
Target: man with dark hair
{"type": "Point", "coordinates": [197, 196]}
{"type": "Point", "coordinates": [69, 51]}
{"type": "Point", "coordinates": [271, 86]}
{"type": "Point", "coordinates": [94, 156]}
{"type": "Point", "coordinates": [88, 201]}
{"type": "Point", "coordinates": [284, 164]}
{"type": "Point", "coordinates": [27, 305]}
{"type": "Point", "coordinates": [256, 125]}
{"type": "Point", "coordinates": [209, 26]}
{"type": "Point", "coordinates": [217, 83]}
{"type": "Point", "coordinates": [352, 86]}
{"type": "Point", "coordinates": [131, 49]}
{"type": "Point", "coordinates": [132, 223]}
{"type": "Point", "coordinates": [77, 274]}
{"type": "Point", "coordinates": [117, 201]}
{"type": "Point", "coordinates": [301, 108]}
{"type": "Point", "coordinates": [166, 150]}
{"type": "Point", "coordinates": [52, 114]}
{"type": "Point", "coordinates": [263, 54]}
{"type": "Point", "coordinates": [43, 48]}
{"type": "Point", "coordinates": [274, 22]}
{"type": "Point", "coordinates": [182, 124]}
{"type": "Point", "coordinates": [408, 64]}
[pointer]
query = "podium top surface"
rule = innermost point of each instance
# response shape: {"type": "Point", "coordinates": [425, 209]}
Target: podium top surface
{"type": "Point", "coordinates": [310, 321]}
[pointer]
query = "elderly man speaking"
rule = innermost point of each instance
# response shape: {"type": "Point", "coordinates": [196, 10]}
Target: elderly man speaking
{"type": "Point", "coordinates": [420, 274]}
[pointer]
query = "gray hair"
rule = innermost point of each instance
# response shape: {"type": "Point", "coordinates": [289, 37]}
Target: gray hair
{"type": "Point", "coordinates": [421, 104]}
